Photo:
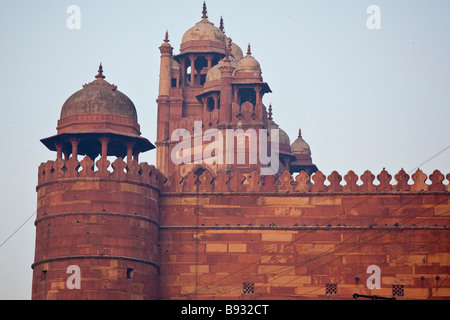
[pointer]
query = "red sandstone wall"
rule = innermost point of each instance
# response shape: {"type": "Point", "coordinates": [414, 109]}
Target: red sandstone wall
{"type": "Point", "coordinates": [290, 238]}
{"type": "Point", "coordinates": [104, 222]}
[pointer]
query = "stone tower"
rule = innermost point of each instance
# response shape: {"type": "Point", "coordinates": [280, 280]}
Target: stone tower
{"type": "Point", "coordinates": [210, 86]}
{"type": "Point", "coordinates": [97, 217]}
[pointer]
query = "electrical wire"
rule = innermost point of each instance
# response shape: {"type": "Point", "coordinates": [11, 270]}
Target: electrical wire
{"type": "Point", "coordinates": [333, 218]}
{"type": "Point", "coordinates": [392, 259]}
{"type": "Point", "coordinates": [1, 245]}
{"type": "Point", "coordinates": [327, 253]}
{"type": "Point", "coordinates": [354, 206]}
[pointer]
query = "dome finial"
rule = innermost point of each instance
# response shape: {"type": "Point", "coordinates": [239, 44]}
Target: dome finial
{"type": "Point", "coordinates": [249, 49]}
{"type": "Point", "coordinates": [270, 112]}
{"type": "Point", "coordinates": [166, 38]}
{"type": "Point", "coordinates": [228, 51]}
{"type": "Point", "coordinates": [100, 72]}
{"type": "Point", "coordinates": [204, 12]}
{"type": "Point", "coordinates": [299, 132]}
{"type": "Point", "coordinates": [221, 27]}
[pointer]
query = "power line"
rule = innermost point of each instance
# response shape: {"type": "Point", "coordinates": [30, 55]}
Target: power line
{"type": "Point", "coordinates": [343, 246]}
{"type": "Point", "coordinates": [18, 229]}
{"type": "Point", "coordinates": [432, 157]}
{"type": "Point", "coordinates": [392, 259]}
{"type": "Point", "coordinates": [357, 204]}
{"type": "Point", "coordinates": [352, 245]}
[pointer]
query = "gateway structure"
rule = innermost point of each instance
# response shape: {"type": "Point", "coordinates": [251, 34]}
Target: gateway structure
{"type": "Point", "coordinates": [110, 227]}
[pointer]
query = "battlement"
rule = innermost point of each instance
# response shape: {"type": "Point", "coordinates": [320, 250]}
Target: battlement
{"type": "Point", "coordinates": [303, 184]}
{"type": "Point", "coordinates": [51, 171]}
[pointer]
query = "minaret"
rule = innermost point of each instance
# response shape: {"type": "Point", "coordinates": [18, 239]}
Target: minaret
{"type": "Point", "coordinates": [226, 93]}
{"type": "Point", "coordinates": [97, 230]}
{"type": "Point", "coordinates": [165, 78]}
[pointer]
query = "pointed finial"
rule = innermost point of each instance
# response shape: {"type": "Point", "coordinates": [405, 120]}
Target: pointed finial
{"type": "Point", "coordinates": [166, 39]}
{"type": "Point", "coordinates": [100, 72]}
{"type": "Point", "coordinates": [221, 27]}
{"type": "Point", "coordinates": [204, 12]}
{"type": "Point", "coordinates": [270, 112]}
{"type": "Point", "coordinates": [249, 49]}
{"type": "Point", "coordinates": [228, 51]}
{"type": "Point", "coordinates": [299, 132]}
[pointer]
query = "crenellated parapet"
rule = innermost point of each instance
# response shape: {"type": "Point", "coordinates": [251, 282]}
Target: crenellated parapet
{"type": "Point", "coordinates": [285, 183]}
{"type": "Point", "coordinates": [132, 171]}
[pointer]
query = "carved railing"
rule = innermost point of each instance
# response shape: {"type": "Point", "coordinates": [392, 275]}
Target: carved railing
{"type": "Point", "coordinates": [302, 183]}
{"type": "Point", "coordinates": [51, 171]}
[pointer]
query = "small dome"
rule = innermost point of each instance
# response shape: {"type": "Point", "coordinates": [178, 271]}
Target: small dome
{"type": "Point", "coordinates": [236, 52]}
{"type": "Point", "coordinates": [98, 111]}
{"type": "Point", "coordinates": [300, 146]}
{"type": "Point", "coordinates": [98, 107]}
{"type": "Point", "coordinates": [99, 97]}
{"type": "Point", "coordinates": [214, 72]}
{"type": "Point", "coordinates": [175, 65]}
{"type": "Point", "coordinates": [204, 30]}
{"type": "Point", "coordinates": [282, 135]}
{"type": "Point", "coordinates": [248, 64]}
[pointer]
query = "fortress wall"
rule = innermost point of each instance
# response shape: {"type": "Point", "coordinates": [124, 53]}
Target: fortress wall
{"type": "Point", "coordinates": [235, 238]}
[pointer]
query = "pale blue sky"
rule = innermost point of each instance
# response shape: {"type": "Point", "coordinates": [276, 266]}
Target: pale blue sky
{"type": "Point", "coordinates": [365, 99]}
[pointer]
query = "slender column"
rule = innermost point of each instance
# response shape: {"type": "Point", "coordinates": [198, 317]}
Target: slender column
{"type": "Point", "coordinates": [258, 99]}
{"type": "Point", "coordinates": [205, 104]}
{"type": "Point", "coordinates": [192, 69]}
{"type": "Point", "coordinates": [130, 146]}
{"type": "Point", "coordinates": [183, 72]}
{"type": "Point", "coordinates": [58, 146]}
{"type": "Point", "coordinates": [104, 142]}
{"type": "Point", "coordinates": [209, 59]}
{"type": "Point", "coordinates": [235, 96]}
{"type": "Point", "coordinates": [74, 143]}
{"type": "Point", "coordinates": [216, 102]}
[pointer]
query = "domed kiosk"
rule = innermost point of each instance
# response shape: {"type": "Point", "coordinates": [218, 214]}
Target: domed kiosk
{"type": "Point", "coordinates": [98, 120]}
{"type": "Point", "coordinates": [302, 152]}
{"type": "Point", "coordinates": [203, 37]}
